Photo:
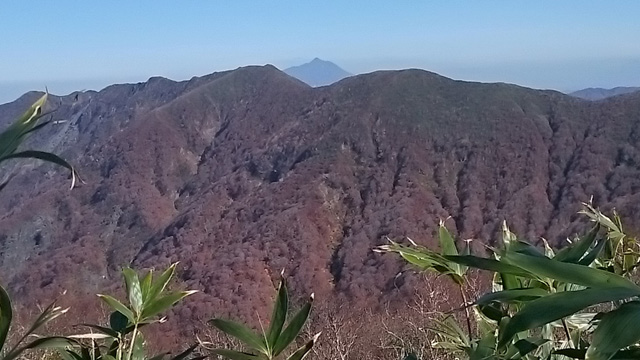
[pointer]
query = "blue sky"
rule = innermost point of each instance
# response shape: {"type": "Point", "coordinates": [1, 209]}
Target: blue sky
{"type": "Point", "coordinates": [72, 45]}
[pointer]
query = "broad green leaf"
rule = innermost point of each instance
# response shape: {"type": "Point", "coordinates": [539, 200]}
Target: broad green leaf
{"type": "Point", "coordinates": [163, 303]}
{"type": "Point", "coordinates": [577, 250]}
{"type": "Point", "coordinates": [92, 336]}
{"type": "Point", "coordinates": [556, 306]}
{"type": "Point", "coordinates": [235, 355]}
{"type": "Point", "coordinates": [489, 265]}
{"type": "Point", "coordinates": [279, 315]}
{"type": "Point", "coordinates": [566, 272]}
{"type": "Point", "coordinates": [304, 350]}
{"type": "Point", "coordinates": [484, 349]}
{"type": "Point", "coordinates": [630, 354]}
{"type": "Point", "coordinates": [508, 296]}
{"type": "Point", "coordinates": [138, 347]}
{"type": "Point", "coordinates": [241, 333]}
{"type": "Point", "coordinates": [145, 286]}
{"type": "Point", "coordinates": [133, 290]}
{"type": "Point", "coordinates": [522, 347]}
{"type": "Point", "coordinates": [617, 329]}
{"type": "Point", "coordinates": [448, 247]}
{"type": "Point", "coordinates": [161, 282]}
{"type": "Point", "coordinates": [6, 314]}
{"type": "Point", "coordinates": [293, 329]}
{"type": "Point", "coordinates": [118, 306]}
{"type": "Point", "coordinates": [118, 322]}
{"type": "Point", "coordinates": [447, 244]}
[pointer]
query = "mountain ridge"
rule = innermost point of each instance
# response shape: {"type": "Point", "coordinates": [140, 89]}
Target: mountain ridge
{"type": "Point", "coordinates": [595, 94]}
{"type": "Point", "coordinates": [243, 173]}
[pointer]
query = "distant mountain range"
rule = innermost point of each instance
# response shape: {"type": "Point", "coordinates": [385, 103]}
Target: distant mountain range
{"type": "Point", "coordinates": [318, 72]}
{"type": "Point", "coordinates": [600, 93]}
{"type": "Point", "coordinates": [243, 173]}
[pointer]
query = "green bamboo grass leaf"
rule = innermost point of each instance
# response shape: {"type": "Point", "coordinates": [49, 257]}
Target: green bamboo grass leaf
{"type": "Point", "coordinates": [447, 243]}
{"type": "Point", "coordinates": [512, 295]}
{"type": "Point", "coordinates": [51, 312]}
{"type": "Point", "coordinates": [305, 349]}
{"type": "Point", "coordinates": [138, 348]}
{"type": "Point", "coordinates": [145, 286]}
{"type": "Point", "coordinates": [568, 273]}
{"type": "Point", "coordinates": [235, 355]}
{"type": "Point", "coordinates": [279, 315]}
{"type": "Point", "coordinates": [6, 314]}
{"type": "Point", "coordinates": [559, 305]}
{"type": "Point", "coordinates": [617, 329]}
{"type": "Point", "coordinates": [134, 290]}
{"type": "Point", "coordinates": [524, 247]}
{"type": "Point", "coordinates": [41, 343]}
{"type": "Point", "coordinates": [118, 322]}
{"type": "Point", "coordinates": [241, 333]}
{"type": "Point", "coordinates": [11, 137]}
{"type": "Point", "coordinates": [160, 284]}
{"type": "Point", "coordinates": [630, 354]}
{"type": "Point", "coordinates": [103, 330]}
{"type": "Point", "coordinates": [45, 156]}
{"type": "Point", "coordinates": [593, 254]}
{"type": "Point", "coordinates": [490, 265]}
{"type": "Point", "coordinates": [183, 355]}
{"type": "Point", "coordinates": [163, 303]}
{"type": "Point", "coordinates": [522, 347]}
{"type": "Point", "coordinates": [159, 356]}
{"type": "Point", "coordinates": [293, 329]}
{"type": "Point", "coordinates": [577, 250]}
{"type": "Point", "coordinates": [118, 306]}
{"type": "Point", "coordinates": [448, 247]}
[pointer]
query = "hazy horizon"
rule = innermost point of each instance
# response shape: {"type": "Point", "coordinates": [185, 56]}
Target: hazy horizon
{"type": "Point", "coordinates": [547, 45]}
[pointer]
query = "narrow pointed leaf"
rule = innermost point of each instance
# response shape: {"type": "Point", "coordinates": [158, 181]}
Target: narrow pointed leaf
{"type": "Point", "coordinates": [6, 314]}
{"type": "Point", "coordinates": [102, 330]}
{"type": "Point", "coordinates": [235, 355]}
{"type": "Point", "coordinates": [118, 306]}
{"type": "Point", "coordinates": [556, 306]}
{"type": "Point", "coordinates": [512, 295]}
{"type": "Point", "coordinates": [161, 282]}
{"type": "Point", "coordinates": [279, 315]}
{"type": "Point", "coordinates": [293, 329]}
{"type": "Point", "coordinates": [304, 350]}
{"type": "Point", "coordinates": [577, 250]}
{"type": "Point", "coordinates": [241, 333]}
{"type": "Point", "coordinates": [44, 156]}
{"type": "Point", "coordinates": [163, 303]}
{"type": "Point", "coordinates": [593, 254]}
{"type": "Point", "coordinates": [41, 343]}
{"type": "Point", "coordinates": [617, 329]}
{"type": "Point", "coordinates": [183, 355]}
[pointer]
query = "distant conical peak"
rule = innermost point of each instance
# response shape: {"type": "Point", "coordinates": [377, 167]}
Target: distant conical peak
{"type": "Point", "coordinates": [318, 72]}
